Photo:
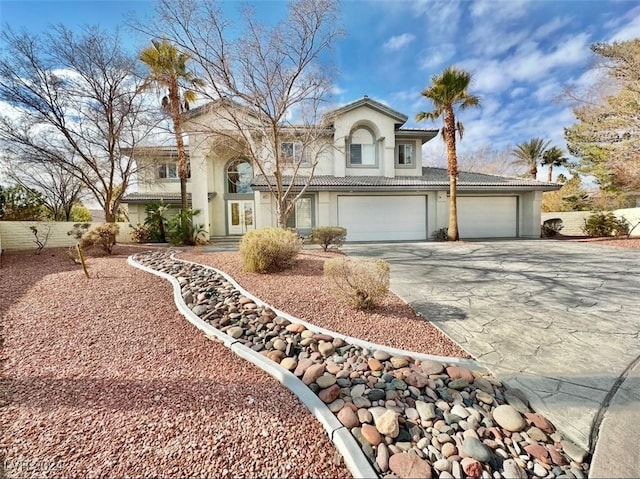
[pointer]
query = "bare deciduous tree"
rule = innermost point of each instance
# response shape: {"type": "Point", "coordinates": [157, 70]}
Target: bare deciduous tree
{"type": "Point", "coordinates": [59, 190]}
{"type": "Point", "coordinates": [267, 85]}
{"type": "Point", "coordinates": [75, 103]}
{"type": "Point", "coordinates": [488, 160]}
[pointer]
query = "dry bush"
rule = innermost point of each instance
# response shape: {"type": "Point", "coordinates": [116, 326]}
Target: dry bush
{"type": "Point", "coordinates": [103, 235]}
{"type": "Point", "coordinates": [267, 250]}
{"type": "Point", "coordinates": [328, 235]}
{"type": "Point", "coordinates": [360, 283]}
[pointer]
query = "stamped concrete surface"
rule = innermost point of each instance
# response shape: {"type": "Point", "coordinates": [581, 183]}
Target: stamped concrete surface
{"type": "Point", "coordinates": [559, 320]}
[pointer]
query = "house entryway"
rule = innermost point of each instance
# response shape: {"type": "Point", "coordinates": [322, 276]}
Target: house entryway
{"type": "Point", "coordinates": [240, 216]}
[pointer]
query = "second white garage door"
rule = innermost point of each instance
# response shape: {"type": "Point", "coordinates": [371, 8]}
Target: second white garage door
{"type": "Point", "coordinates": [383, 218]}
{"type": "Point", "coordinates": [488, 216]}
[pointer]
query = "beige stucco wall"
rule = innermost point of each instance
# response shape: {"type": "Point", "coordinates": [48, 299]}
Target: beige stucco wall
{"type": "Point", "coordinates": [572, 221]}
{"type": "Point", "coordinates": [16, 235]}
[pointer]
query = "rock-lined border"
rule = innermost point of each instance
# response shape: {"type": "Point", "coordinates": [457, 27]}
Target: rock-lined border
{"type": "Point", "coordinates": [236, 310]}
{"type": "Point", "coordinates": [345, 443]}
{"type": "Point", "coordinates": [340, 436]}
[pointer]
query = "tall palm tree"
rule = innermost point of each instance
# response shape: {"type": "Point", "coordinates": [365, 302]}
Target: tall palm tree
{"type": "Point", "coordinates": [169, 70]}
{"type": "Point", "coordinates": [553, 157]}
{"type": "Point", "coordinates": [529, 153]}
{"type": "Point", "coordinates": [449, 90]}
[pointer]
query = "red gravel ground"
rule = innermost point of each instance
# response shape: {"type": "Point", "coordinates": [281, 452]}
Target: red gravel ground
{"type": "Point", "coordinates": [303, 292]}
{"type": "Point", "coordinates": [102, 377]}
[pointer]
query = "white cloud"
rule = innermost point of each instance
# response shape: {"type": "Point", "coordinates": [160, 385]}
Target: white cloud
{"type": "Point", "coordinates": [630, 29]}
{"type": "Point", "coordinates": [443, 16]}
{"type": "Point", "coordinates": [547, 28]}
{"type": "Point", "coordinates": [434, 57]}
{"type": "Point", "coordinates": [399, 41]}
{"type": "Point", "coordinates": [499, 11]}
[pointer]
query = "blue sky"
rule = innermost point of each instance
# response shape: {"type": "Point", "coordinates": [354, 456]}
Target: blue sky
{"type": "Point", "coordinates": [522, 54]}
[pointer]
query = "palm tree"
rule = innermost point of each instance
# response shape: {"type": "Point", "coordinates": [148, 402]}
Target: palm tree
{"type": "Point", "coordinates": [169, 70]}
{"type": "Point", "coordinates": [529, 153]}
{"type": "Point", "coordinates": [449, 90]}
{"type": "Point", "coordinates": [553, 157]}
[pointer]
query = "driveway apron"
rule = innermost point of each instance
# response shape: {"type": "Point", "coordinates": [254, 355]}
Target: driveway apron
{"type": "Point", "coordinates": [559, 320]}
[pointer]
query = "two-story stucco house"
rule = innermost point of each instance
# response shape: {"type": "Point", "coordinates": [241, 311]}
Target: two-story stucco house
{"type": "Point", "coordinates": [371, 181]}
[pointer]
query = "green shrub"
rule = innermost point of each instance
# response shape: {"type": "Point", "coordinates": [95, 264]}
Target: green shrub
{"type": "Point", "coordinates": [103, 235]}
{"type": "Point", "coordinates": [156, 221]}
{"type": "Point", "coordinates": [551, 227]}
{"type": "Point", "coordinates": [181, 231]}
{"type": "Point", "coordinates": [441, 234]}
{"type": "Point", "coordinates": [360, 283]}
{"type": "Point", "coordinates": [605, 224]}
{"type": "Point", "coordinates": [78, 230]}
{"type": "Point", "coordinates": [267, 250]}
{"type": "Point", "coordinates": [328, 235]}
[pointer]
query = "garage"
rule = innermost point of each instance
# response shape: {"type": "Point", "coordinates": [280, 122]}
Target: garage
{"type": "Point", "coordinates": [488, 216]}
{"type": "Point", "coordinates": [383, 218]}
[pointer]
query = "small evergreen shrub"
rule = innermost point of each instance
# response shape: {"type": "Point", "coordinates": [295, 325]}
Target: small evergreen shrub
{"type": "Point", "coordinates": [267, 250]}
{"type": "Point", "coordinates": [103, 235]}
{"type": "Point", "coordinates": [441, 234]}
{"type": "Point", "coordinates": [78, 230]}
{"type": "Point", "coordinates": [605, 224]}
{"type": "Point", "coordinates": [551, 227]}
{"type": "Point", "coordinates": [360, 283]}
{"type": "Point", "coordinates": [328, 235]}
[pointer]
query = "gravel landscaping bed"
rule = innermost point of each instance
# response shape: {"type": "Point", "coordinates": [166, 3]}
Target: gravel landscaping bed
{"type": "Point", "coordinates": [102, 377]}
{"type": "Point", "coordinates": [303, 292]}
{"type": "Point", "coordinates": [411, 417]}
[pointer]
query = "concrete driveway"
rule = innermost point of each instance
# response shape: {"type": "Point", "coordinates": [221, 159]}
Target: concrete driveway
{"type": "Point", "coordinates": [559, 320]}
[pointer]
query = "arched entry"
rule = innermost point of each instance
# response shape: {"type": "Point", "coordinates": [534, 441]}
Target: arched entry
{"type": "Point", "coordinates": [239, 197]}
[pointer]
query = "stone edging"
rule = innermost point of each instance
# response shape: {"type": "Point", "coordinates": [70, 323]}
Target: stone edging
{"type": "Point", "coordinates": [343, 440]}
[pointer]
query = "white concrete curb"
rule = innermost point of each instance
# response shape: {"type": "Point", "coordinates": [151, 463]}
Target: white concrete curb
{"type": "Point", "coordinates": [468, 363]}
{"type": "Point", "coordinates": [343, 440]}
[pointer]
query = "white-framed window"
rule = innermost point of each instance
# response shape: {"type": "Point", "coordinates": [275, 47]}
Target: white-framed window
{"type": "Point", "coordinates": [293, 152]}
{"type": "Point", "coordinates": [405, 154]}
{"type": "Point", "coordinates": [168, 170]}
{"type": "Point", "coordinates": [362, 147]}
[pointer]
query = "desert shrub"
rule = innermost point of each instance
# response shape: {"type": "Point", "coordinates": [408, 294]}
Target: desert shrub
{"type": "Point", "coordinates": [605, 224]}
{"type": "Point", "coordinates": [441, 234]}
{"type": "Point", "coordinates": [551, 227]}
{"type": "Point", "coordinates": [268, 250]}
{"type": "Point", "coordinates": [78, 230]}
{"type": "Point", "coordinates": [360, 283]}
{"type": "Point", "coordinates": [103, 235]}
{"type": "Point", "coordinates": [328, 235]}
{"type": "Point", "coordinates": [140, 233]}
{"type": "Point", "coordinates": [181, 230]}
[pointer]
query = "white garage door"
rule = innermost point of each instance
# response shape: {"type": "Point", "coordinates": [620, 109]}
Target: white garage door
{"type": "Point", "coordinates": [382, 218]}
{"type": "Point", "coordinates": [487, 216]}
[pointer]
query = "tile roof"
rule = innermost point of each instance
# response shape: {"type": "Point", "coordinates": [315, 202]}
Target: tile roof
{"type": "Point", "coordinates": [172, 198]}
{"type": "Point", "coordinates": [431, 179]}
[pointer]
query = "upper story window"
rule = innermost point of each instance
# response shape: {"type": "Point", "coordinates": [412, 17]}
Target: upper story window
{"type": "Point", "coordinates": [293, 152]}
{"type": "Point", "coordinates": [239, 176]}
{"type": "Point", "coordinates": [168, 170]}
{"type": "Point", "coordinates": [405, 155]}
{"type": "Point", "coordinates": [362, 147]}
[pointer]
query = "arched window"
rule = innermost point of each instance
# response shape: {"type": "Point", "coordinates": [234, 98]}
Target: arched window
{"type": "Point", "coordinates": [239, 176]}
{"type": "Point", "coordinates": [362, 147]}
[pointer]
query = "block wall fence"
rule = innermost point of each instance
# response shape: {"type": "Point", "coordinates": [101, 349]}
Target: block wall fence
{"type": "Point", "coordinates": [17, 235]}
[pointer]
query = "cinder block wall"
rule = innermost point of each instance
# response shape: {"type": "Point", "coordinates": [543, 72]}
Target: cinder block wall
{"type": "Point", "coordinates": [17, 235]}
{"type": "Point", "coordinates": [573, 221]}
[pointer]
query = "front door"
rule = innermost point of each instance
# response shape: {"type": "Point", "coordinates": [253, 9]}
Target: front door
{"type": "Point", "coordinates": [240, 216]}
